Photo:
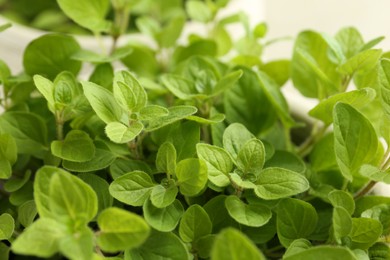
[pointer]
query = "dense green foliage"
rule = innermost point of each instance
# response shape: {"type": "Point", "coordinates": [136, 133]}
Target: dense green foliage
{"type": "Point", "coordinates": [189, 152]}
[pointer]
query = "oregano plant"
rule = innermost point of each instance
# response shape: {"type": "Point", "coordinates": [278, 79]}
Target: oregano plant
{"type": "Point", "coordinates": [179, 150]}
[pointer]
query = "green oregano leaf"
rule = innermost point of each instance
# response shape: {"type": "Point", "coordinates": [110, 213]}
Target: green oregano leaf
{"type": "Point", "coordinates": [342, 199]}
{"type": "Point", "coordinates": [76, 147]}
{"type": "Point", "coordinates": [356, 98]}
{"type": "Point", "coordinates": [321, 252]}
{"type": "Point", "coordinates": [87, 13]}
{"type": "Point", "coordinates": [365, 232]}
{"type": "Point", "coordinates": [163, 219]}
{"type": "Point", "coordinates": [192, 176]}
{"type": "Point", "coordinates": [38, 56]}
{"type": "Point", "coordinates": [276, 183]}
{"type": "Point", "coordinates": [132, 188]}
{"type": "Point", "coordinates": [295, 219]}
{"type": "Point", "coordinates": [7, 225]}
{"type": "Point", "coordinates": [121, 230]}
{"type": "Point", "coordinates": [70, 197]}
{"type": "Point", "coordinates": [102, 102]}
{"type": "Point", "coordinates": [231, 244]}
{"type": "Point", "coordinates": [251, 157]}
{"type": "Point", "coordinates": [164, 195]}
{"type": "Point", "coordinates": [166, 158]}
{"type": "Point", "coordinates": [194, 224]}
{"type": "Point", "coordinates": [249, 215]}
{"type": "Point", "coordinates": [355, 139]}
{"type": "Point", "coordinates": [160, 245]}
{"type": "Point", "coordinates": [128, 92]}
{"type": "Point", "coordinates": [40, 239]}
{"type": "Point", "coordinates": [120, 133]}
{"type": "Point", "coordinates": [218, 161]}
{"type": "Point", "coordinates": [234, 138]}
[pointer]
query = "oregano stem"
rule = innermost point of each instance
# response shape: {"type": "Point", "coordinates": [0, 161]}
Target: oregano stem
{"type": "Point", "coordinates": [384, 165]}
{"type": "Point", "coordinates": [59, 126]}
{"type": "Point", "coordinates": [366, 189]}
{"type": "Point", "coordinates": [316, 133]}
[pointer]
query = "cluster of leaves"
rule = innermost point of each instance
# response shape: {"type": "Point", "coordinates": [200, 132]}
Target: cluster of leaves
{"type": "Point", "coordinates": [183, 156]}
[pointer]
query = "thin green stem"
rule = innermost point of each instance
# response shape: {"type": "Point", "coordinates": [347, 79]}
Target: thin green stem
{"type": "Point", "coordinates": [366, 189]}
{"type": "Point", "coordinates": [316, 133]}
{"type": "Point", "coordinates": [59, 125]}
{"type": "Point", "coordinates": [384, 165]}
{"type": "Point", "coordinates": [287, 137]}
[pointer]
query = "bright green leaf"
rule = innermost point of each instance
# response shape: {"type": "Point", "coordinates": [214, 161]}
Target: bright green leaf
{"type": "Point", "coordinates": [121, 134]}
{"type": "Point", "coordinates": [163, 219]}
{"type": "Point", "coordinates": [231, 244]}
{"type": "Point", "coordinates": [251, 157]}
{"type": "Point", "coordinates": [128, 92]}
{"type": "Point", "coordinates": [355, 139]}
{"type": "Point", "coordinates": [102, 102]}
{"type": "Point", "coordinates": [166, 158]}
{"type": "Point", "coordinates": [192, 176]}
{"type": "Point", "coordinates": [276, 183]}
{"type": "Point", "coordinates": [132, 188]}
{"type": "Point", "coordinates": [356, 98]}
{"type": "Point", "coordinates": [7, 225]}
{"type": "Point", "coordinates": [218, 162]}
{"type": "Point", "coordinates": [39, 239]}
{"type": "Point", "coordinates": [87, 13]}
{"type": "Point", "coordinates": [76, 147]}
{"type": "Point", "coordinates": [164, 195]}
{"type": "Point", "coordinates": [121, 230]}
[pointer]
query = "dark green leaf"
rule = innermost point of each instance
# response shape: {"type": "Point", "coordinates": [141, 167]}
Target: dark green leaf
{"type": "Point", "coordinates": [241, 103]}
{"type": "Point", "coordinates": [51, 54]}
{"type": "Point", "coordinates": [295, 219]}
{"type": "Point", "coordinates": [28, 130]}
